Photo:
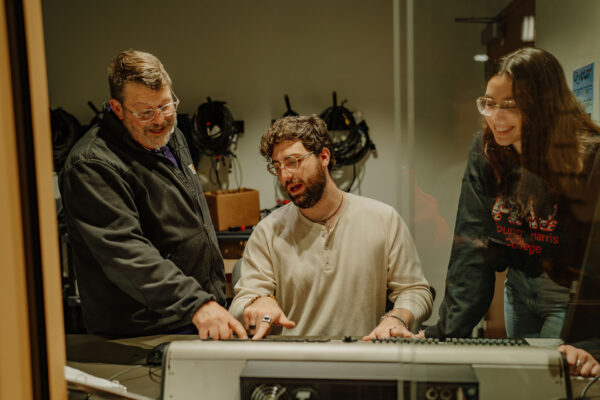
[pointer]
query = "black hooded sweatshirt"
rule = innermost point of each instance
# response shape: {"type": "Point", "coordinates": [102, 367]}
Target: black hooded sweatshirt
{"type": "Point", "coordinates": [490, 235]}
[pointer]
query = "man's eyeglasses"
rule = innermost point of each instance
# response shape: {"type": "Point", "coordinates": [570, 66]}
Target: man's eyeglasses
{"type": "Point", "coordinates": [290, 163]}
{"type": "Point", "coordinates": [166, 110]}
{"type": "Point", "coordinates": [487, 106]}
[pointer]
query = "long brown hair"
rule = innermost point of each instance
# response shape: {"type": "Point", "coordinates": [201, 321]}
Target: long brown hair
{"type": "Point", "coordinates": [555, 131]}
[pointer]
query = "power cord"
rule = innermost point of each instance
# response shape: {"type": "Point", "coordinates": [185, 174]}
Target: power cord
{"type": "Point", "coordinates": [587, 387]}
{"type": "Point", "coordinates": [115, 376]}
{"type": "Point", "coordinates": [237, 170]}
{"type": "Point", "coordinates": [154, 376]}
{"type": "Point", "coordinates": [233, 165]}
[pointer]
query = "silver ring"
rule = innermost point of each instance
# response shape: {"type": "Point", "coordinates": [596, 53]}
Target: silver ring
{"type": "Point", "coordinates": [267, 319]}
{"type": "Point", "coordinates": [578, 363]}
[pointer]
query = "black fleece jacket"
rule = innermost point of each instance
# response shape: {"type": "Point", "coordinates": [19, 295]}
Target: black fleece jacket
{"type": "Point", "coordinates": [490, 236]}
{"type": "Point", "coordinates": [144, 247]}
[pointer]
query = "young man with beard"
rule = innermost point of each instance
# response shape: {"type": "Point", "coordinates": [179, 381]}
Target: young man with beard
{"type": "Point", "coordinates": [322, 266]}
{"type": "Point", "coordinates": [144, 248]}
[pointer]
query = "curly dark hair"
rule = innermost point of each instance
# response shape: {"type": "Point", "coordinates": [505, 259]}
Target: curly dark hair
{"type": "Point", "coordinates": [310, 130]}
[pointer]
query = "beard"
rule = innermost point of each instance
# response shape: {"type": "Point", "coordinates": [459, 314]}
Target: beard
{"type": "Point", "coordinates": [313, 189]}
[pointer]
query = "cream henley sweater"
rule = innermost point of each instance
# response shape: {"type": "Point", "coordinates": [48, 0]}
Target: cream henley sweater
{"type": "Point", "coordinates": [334, 283]}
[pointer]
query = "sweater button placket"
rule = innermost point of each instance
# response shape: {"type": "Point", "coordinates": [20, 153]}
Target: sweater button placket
{"type": "Point", "coordinates": [327, 254]}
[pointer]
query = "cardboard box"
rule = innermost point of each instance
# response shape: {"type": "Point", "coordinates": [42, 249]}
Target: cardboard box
{"type": "Point", "coordinates": [233, 208]}
{"type": "Point", "coordinates": [232, 249]}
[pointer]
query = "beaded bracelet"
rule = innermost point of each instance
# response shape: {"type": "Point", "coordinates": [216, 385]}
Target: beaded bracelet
{"type": "Point", "coordinates": [258, 297]}
{"type": "Point", "coordinates": [399, 318]}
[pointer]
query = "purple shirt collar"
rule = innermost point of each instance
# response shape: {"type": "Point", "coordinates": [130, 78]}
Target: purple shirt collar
{"type": "Point", "coordinates": [165, 151]}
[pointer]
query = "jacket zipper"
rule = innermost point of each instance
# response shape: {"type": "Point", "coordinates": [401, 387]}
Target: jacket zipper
{"type": "Point", "coordinates": [195, 199]}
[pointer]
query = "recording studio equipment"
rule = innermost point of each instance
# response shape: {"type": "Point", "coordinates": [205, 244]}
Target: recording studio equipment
{"type": "Point", "coordinates": [289, 112]}
{"type": "Point", "coordinates": [214, 128]}
{"type": "Point", "coordinates": [305, 368]}
{"type": "Point", "coordinates": [356, 143]}
{"type": "Point", "coordinates": [66, 131]}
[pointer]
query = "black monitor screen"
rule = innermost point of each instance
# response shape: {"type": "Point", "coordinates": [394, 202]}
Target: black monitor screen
{"type": "Point", "coordinates": [582, 321]}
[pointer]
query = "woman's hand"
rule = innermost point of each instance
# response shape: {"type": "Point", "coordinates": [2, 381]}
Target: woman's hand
{"type": "Point", "coordinates": [580, 361]}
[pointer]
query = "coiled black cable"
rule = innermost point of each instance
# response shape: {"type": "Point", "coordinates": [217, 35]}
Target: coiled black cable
{"type": "Point", "coordinates": [95, 119]}
{"type": "Point", "coordinates": [289, 112]}
{"type": "Point", "coordinates": [66, 131]}
{"type": "Point", "coordinates": [213, 128]}
{"type": "Point", "coordinates": [215, 133]}
{"type": "Point", "coordinates": [357, 143]}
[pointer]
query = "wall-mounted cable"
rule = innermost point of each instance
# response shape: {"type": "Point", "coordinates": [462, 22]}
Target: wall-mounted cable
{"type": "Point", "coordinates": [354, 142]}
{"type": "Point", "coordinates": [215, 134]}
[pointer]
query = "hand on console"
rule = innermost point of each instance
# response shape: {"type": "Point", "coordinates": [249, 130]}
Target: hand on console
{"type": "Point", "coordinates": [215, 322]}
{"type": "Point", "coordinates": [394, 323]}
{"type": "Point", "coordinates": [580, 361]}
{"type": "Point", "coordinates": [420, 335]}
{"type": "Point", "coordinates": [261, 314]}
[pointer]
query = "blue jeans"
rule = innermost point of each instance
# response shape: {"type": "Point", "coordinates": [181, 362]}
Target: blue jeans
{"type": "Point", "coordinates": [533, 307]}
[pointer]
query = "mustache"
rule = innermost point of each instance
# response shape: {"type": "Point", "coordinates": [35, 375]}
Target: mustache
{"type": "Point", "coordinates": [292, 182]}
{"type": "Point", "coordinates": [165, 124]}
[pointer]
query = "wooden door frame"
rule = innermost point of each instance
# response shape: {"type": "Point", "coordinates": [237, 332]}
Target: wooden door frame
{"type": "Point", "coordinates": [32, 338]}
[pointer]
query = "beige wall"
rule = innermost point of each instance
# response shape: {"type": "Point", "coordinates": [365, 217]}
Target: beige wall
{"type": "Point", "coordinates": [570, 30]}
{"type": "Point", "coordinates": [247, 53]}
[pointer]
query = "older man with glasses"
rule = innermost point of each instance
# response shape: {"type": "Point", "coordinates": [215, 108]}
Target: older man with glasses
{"type": "Point", "coordinates": [144, 248]}
{"type": "Point", "coordinates": [324, 264]}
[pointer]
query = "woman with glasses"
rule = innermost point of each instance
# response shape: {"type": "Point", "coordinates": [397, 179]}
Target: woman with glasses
{"type": "Point", "coordinates": [526, 203]}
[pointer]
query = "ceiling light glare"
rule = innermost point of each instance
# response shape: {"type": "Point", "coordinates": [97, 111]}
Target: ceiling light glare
{"type": "Point", "coordinates": [528, 29]}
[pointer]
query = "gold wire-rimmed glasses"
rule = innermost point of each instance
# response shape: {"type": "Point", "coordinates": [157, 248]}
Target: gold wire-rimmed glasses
{"type": "Point", "coordinates": [290, 163]}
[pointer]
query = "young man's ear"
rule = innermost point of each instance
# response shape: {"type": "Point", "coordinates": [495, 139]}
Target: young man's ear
{"type": "Point", "coordinates": [325, 156]}
{"type": "Point", "coordinates": [117, 108]}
